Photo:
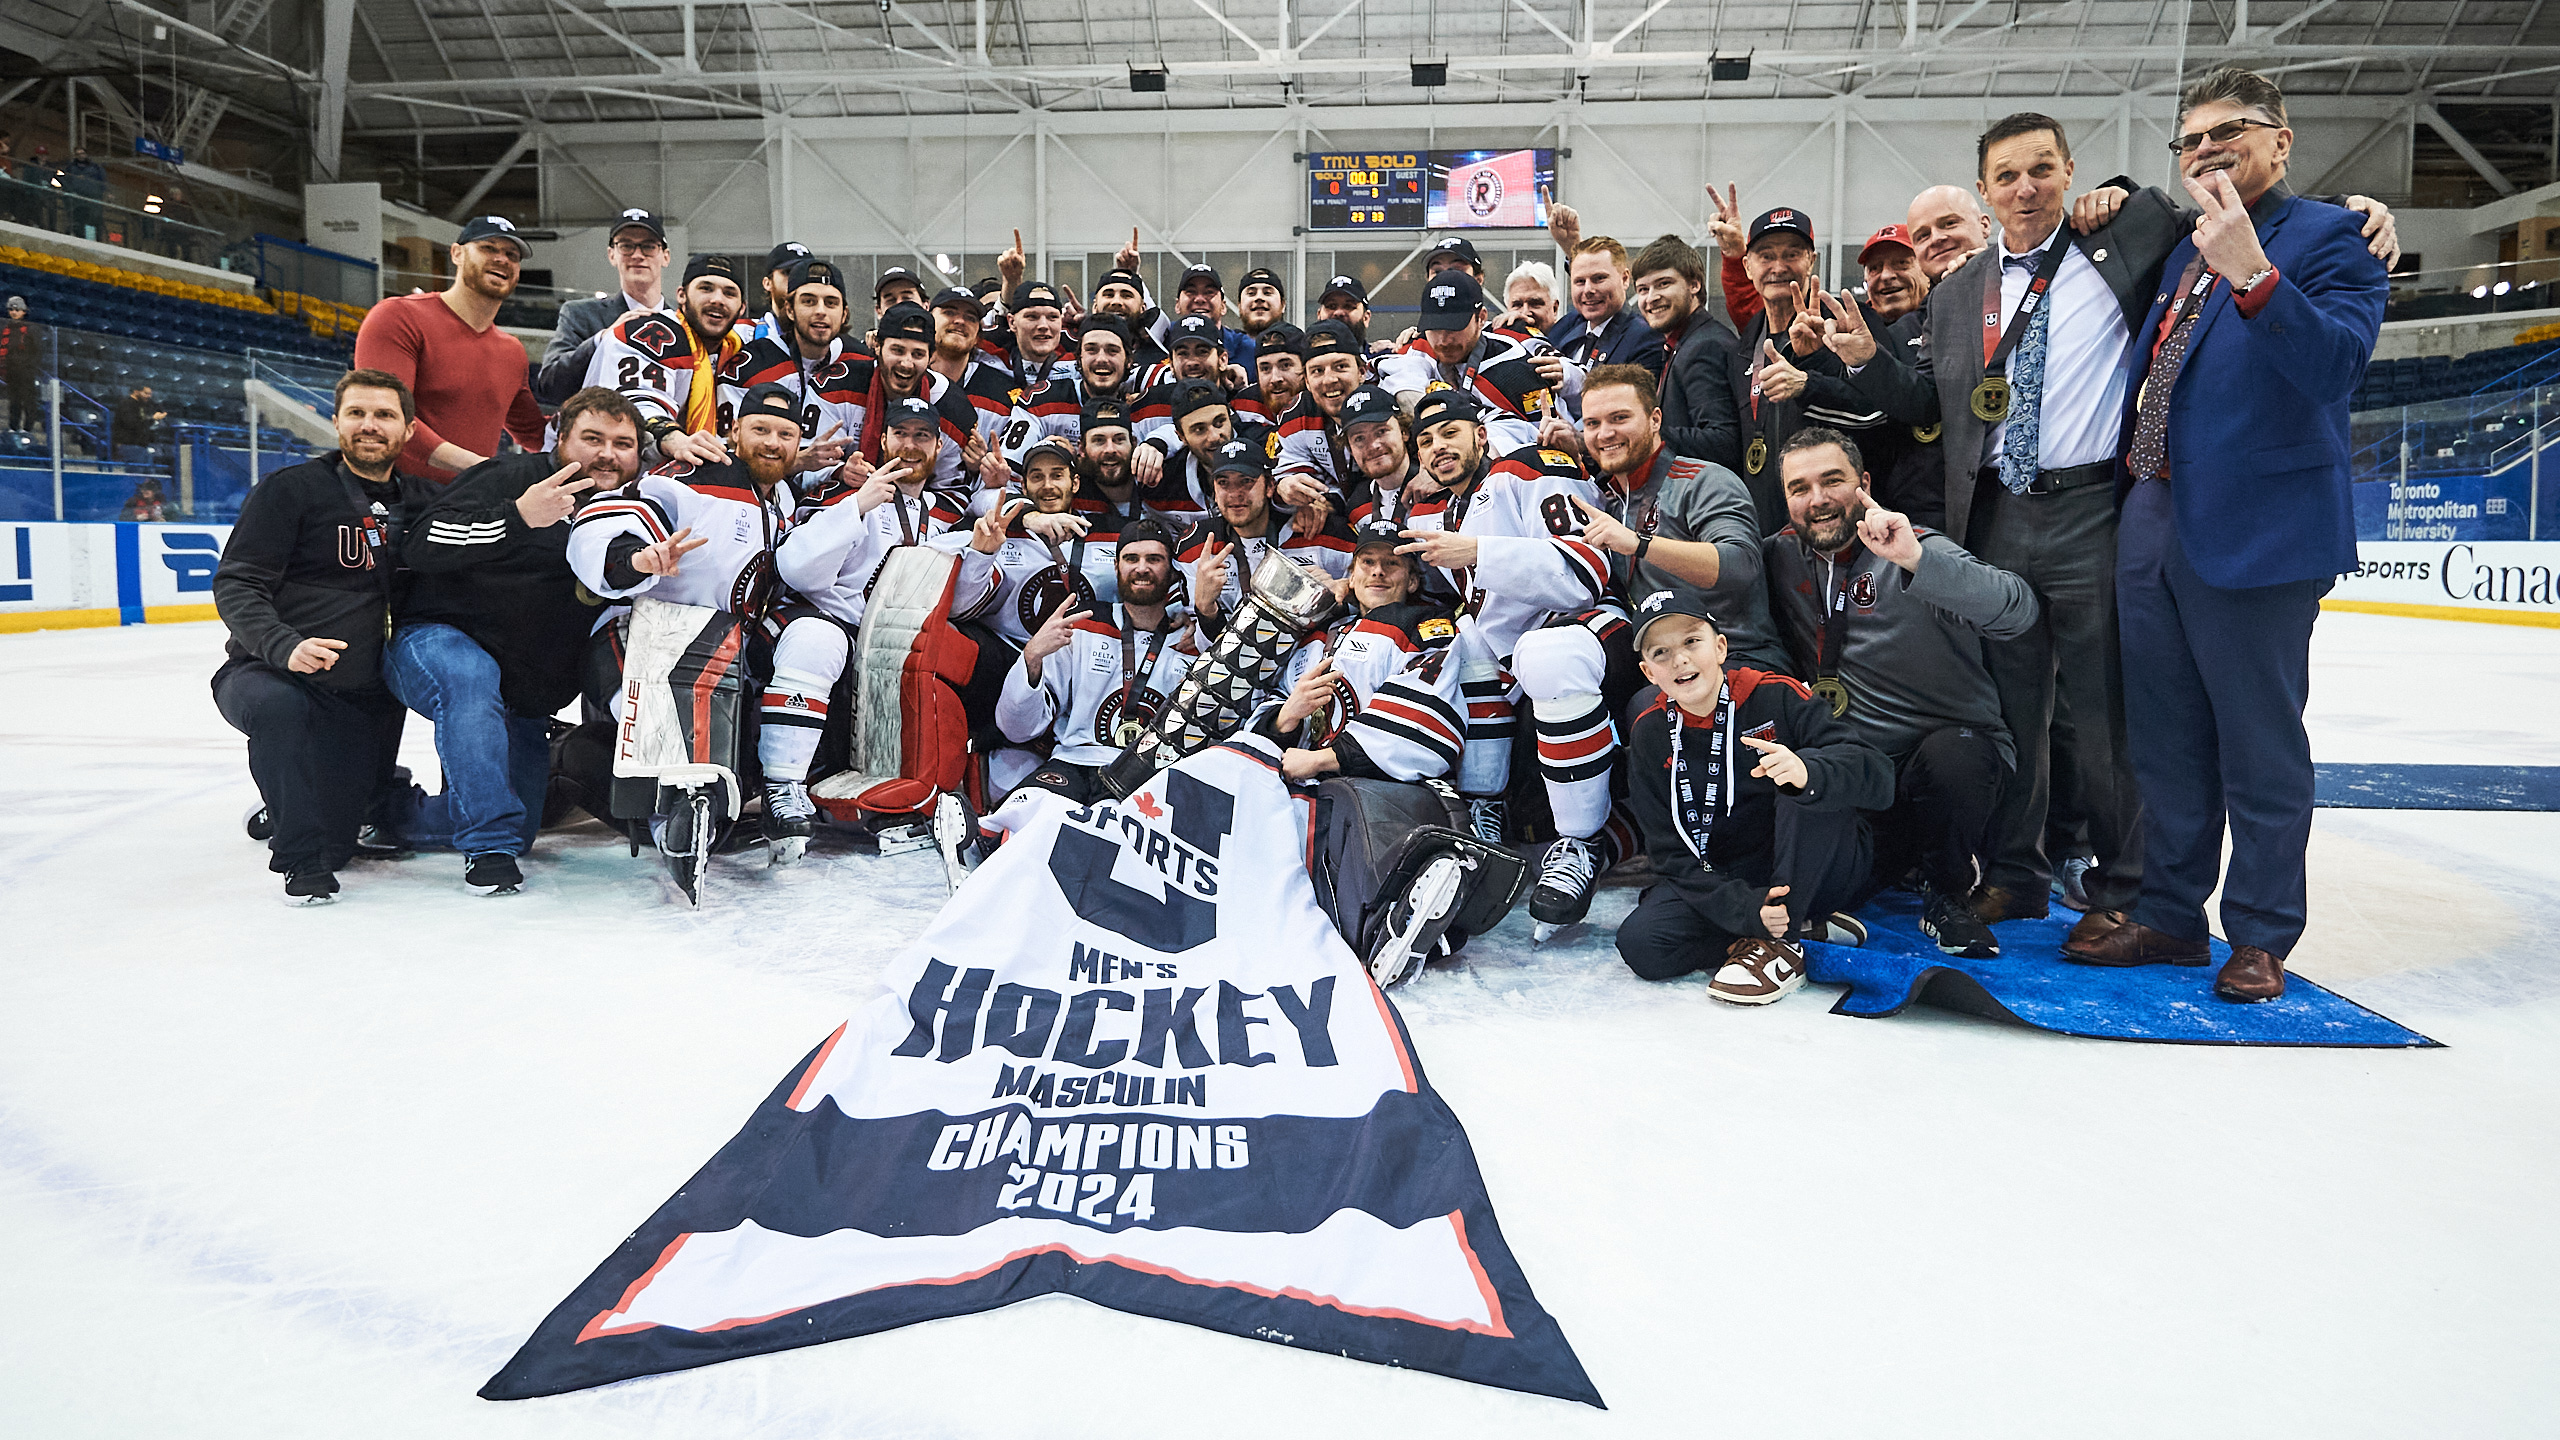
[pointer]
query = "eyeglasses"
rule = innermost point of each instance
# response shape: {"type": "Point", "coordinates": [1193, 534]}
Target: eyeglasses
{"type": "Point", "coordinates": [637, 247]}
{"type": "Point", "coordinates": [2222, 134]}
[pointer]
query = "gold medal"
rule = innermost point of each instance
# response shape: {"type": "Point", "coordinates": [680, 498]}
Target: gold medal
{"type": "Point", "coordinates": [1926, 434]}
{"type": "Point", "coordinates": [1756, 456]}
{"type": "Point", "coordinates": [1128, 732]}
{"type": "Point", "coordinates": [1991, 399]}
{"type": "Point", "coordinates": [1833, 693]}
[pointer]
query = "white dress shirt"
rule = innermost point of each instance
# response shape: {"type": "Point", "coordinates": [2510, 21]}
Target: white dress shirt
{"type": "Point", "coordinates": [2087, 359]}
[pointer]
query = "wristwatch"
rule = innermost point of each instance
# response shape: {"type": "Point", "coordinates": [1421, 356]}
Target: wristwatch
{"type": "Point", "coordinates": [1643, 543]}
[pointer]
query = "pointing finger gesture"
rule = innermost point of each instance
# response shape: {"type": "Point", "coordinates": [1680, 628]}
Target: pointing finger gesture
{"type": "Point", "coordinates": [1778, 764]}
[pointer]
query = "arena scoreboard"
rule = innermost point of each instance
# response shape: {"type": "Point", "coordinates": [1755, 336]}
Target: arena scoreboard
{"type": "Point", "coordinates": [1367, 191]}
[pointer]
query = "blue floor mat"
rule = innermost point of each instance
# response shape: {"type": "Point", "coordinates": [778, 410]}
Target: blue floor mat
{"type": "Point", "coordinates": [2030, 983]}
{"type": "Point", "coordinates": [2438, 787]}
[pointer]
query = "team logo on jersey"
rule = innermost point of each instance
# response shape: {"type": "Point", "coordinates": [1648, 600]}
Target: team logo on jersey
{"type": "Point", "coordinates": [654, 334]}
{"type": "Point", "coordinates": [1113, 727]}
{"type": "Point", "coordinates": [1437, 628]}
{"type": "Point", "coordinates": [1484, 193]}
{"type": "Point", "coordinates": [1271, 446]}
{"type": "Point", "coordinates": [1556, 458]}
{"type": "Point", "coordinates": [1862, 591]}
{"type": "Point", "coordinates": [1042, 592]}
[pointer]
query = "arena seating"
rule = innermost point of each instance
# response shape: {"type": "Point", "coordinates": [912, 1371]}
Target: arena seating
{"type": "Point", "coordinates": [147, 308]}
{"type": "Point", "coordinates": [2424, 378]}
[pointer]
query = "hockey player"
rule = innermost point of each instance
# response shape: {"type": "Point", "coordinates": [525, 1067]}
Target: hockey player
{"type": "Point", "coordinates": [1200, 292]}
{"type": "Point", "coordinates": [1749, 792]}
{"type": "Point", "coordinates": [1108, 491]}
{"type": "Point", "coordinates": [963, 356]}
{"type": "Point", "coordinates": [1345, 299]}
{"type": "Point", "coordinates": [1200, 422]}
{"type": "Point", "coordinates": [1280, 375]}
{"type": "Point", "coordinates": [1101, 368]}
{"type": "Point", "coordinates": [1333, 676]}
{"type": "Point", "coordinates": [815, 361]}
{"type": "Point", "coordinates": [1121, 292]}
{"type": "Point", "coordinates": [1519, 378]}
{"type": "Point", "coordinates": [1197, 360]}
{"type": "Point", "coordinates": [669, 366]}
{"type": "Point", "coordinates": [1261, 302]}
{"type": "Point", "coordinates": [1665, 522]}
{"type": "Point", "coordinates": [1507, 535]}
{"type": "Point", "coordinates": [1387, 482]}
{"type": "Point", "coordinates": [1091, 679]}
{"type": "Point", "coordinates": [1453, 252]}
{"type": "Point", "coordinates": [775, 323]}
{"type": "Point", "coordinates": [704, 535]}
{"type": "Point", "coordinates": [902, 370]}
{"type": "Point", "coordinates": [1218, 559]}
{"type": "Point", "coordinates": [1310, 459]}
{"type": "Point", "coordinates": [1012, 576]}
{"type": "Point", "coordinates": [831, 561]}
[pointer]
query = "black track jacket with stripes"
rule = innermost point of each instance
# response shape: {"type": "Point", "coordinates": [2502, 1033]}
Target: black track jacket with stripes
{"type": "Point", "coordinates": [476, 566]}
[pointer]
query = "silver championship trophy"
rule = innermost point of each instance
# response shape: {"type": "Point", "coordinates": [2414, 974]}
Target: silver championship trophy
{"type": "Point", "coordinates": [1283, 602]}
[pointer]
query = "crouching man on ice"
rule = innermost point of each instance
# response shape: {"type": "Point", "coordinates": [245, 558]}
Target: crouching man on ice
{"type": "Point", "coordinates": [1748, 791]}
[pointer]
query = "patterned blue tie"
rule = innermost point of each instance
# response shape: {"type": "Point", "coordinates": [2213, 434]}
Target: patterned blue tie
{"type": "Point", "coordinates": [2023, 447]}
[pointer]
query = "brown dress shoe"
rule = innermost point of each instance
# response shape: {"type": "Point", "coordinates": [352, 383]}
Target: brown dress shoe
{"type": "Point", "coordinates": [1995, 903]}
{"type": "Point", "coordinates": [2253, 975]}
{"type": "Point", "coordinates": [2094, 941]}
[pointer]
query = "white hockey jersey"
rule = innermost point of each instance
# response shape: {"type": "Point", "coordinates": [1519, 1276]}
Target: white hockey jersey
{"type": "Point", "coordinates": [1022, 581]}
{"type": "Point", "coordinates": [1089, 687]}
{"type": "Point", "coordinates": [734, 570]}
{"type": "Point", "coordinates": [1499, 374]}
{"type": "Point", "coordinates": [832, 558]}
{"type": "Point", "coordinates": [648, 355]}
{"type": "Point", "coordinates": [1531, 562]}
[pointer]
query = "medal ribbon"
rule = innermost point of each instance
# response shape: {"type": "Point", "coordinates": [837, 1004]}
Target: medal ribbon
{"type": "Point", "coordinates": [1699, 804]}
{"type": "Point", "coordinates": [1997, 342]}
{"type": "Point", "coordinates": [1133, 677]}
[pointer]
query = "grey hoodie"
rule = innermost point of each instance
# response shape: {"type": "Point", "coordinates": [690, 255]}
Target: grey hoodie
{"type": "Point", "coordinates": [1913, 643]}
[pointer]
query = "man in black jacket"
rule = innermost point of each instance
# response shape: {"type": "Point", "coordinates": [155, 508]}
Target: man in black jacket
{"type": "Point", "coordinates": [306, 588]}
{"type": "Point", "coordinates": [1759, 787]}
{"type": "Point", "coordinates": [493, 629]}
{"type": "Point", "coordinates": [1697, 402]}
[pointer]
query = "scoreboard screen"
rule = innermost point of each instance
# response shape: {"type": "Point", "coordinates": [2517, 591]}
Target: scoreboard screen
{"type": "Point", "coordinates": [1367, 192]}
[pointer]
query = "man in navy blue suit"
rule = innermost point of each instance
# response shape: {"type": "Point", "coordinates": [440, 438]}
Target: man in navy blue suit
{"type": "Point", "coordinates": [2236, 520]}
{"type": "Point", "coordinates": [1602, 328]}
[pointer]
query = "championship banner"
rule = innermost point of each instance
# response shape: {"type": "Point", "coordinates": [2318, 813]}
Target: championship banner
{"type": "Point", "coordinates": [1131, 1060]}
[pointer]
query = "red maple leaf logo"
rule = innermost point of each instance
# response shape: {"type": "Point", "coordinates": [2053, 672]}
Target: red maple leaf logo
{"type": "Point", "coordinates": [1148, 807]}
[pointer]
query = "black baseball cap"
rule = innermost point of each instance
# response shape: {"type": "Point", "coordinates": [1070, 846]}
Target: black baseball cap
{"type": "Point", "coordinates": [1142, 530]}
{"type": "Point", "coordinates": [1263, 275]}
{"type": "Point", "coordinates": [1782, 220]}
{"type": "Point", "coordinates": [492, 227]}
{"type": "Point", "coordinates": [1195, 327]}
{"type": "Point", "coordinates": [1457, 247]}
{"type": "Point", "coordinates": [1663, 604]}
{"type": "Point", "coordinates": [785, 255]}
{"type": "Point", "coordinates": [770, 399]}
{"type": "Point", "coordinates": [1058, 445]}
{"type": "Point", "coordinates": [1120, 277]}
{"type": "Point", "coordinates": [1282, 338]}
{"type": "Point", "coordinates": [1105, 412]}
{"type": "Point", "coordinates": [1343, 285]}
{"type": "Point", "coordinates": [913, 409]}
{"type": "Point", "coordinates": [1239, 457]}
{"type": "Point", "coordinates": [1199, 395]}
{"type": "Point", "coordinates": [1330, 337]}
{"type": "Point", "coordinates": [906, 320]}
{"type": "Point", "coordinates": [897, 275]}
{"type": "Point", "coordinates": [656, 227]}
{"type": "Point", "coordinates": [1113, 324]}
{"type": "Point", "coordinates": [1376, 530]}
{"type": "Point", "coordinates": [1451, 296]}
{"type": "Point", "coordinates": [1201, 272]}
{"type": "Point", "coordinates": [1438, 405]}
{"type": "Point", "coordinates": [1370, 404]}
{"type": "Point", "coordinates": [814, 271]}
{"type": "Point", "coordinates": [701, 264]}
{"type": "Point", "coordinates": [1034, 293]}
{"type": "Point", "coordinates": [960, 297]}
{"type": "Point", "coordinates": [988, 286]}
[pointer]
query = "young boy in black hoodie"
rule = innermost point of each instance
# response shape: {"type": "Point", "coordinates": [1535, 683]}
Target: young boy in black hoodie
{"type": "Point", "coordinates": [1748, 793]}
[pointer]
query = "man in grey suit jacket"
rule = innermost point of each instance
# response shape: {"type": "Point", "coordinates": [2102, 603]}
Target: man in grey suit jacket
{"type": "Point", "coordinates": [638, 247]}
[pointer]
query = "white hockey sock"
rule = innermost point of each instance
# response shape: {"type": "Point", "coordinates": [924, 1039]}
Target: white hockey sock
{"type": "Point", "coordinates": [1576, 743]}
{"type": "Point", "coordinates": [807, 661]}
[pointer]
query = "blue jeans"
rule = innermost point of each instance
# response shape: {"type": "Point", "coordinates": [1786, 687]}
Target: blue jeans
{"type": "Point", "coordinates": [497, 765]}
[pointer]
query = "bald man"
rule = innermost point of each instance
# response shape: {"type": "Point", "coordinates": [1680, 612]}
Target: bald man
{"type": "Point", "coordinates": [1947, 226]}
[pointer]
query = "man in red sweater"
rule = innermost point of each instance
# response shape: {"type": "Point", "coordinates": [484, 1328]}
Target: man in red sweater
{"type": "Point", "coordinates": [470, 377]}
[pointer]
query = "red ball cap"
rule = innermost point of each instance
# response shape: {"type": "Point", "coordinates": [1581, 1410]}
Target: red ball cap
{"type": "Point", "coordinates": [1889, 235]}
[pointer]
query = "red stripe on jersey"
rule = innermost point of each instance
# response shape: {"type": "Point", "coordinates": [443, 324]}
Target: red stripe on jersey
{"type": "Point", "coordinates": [1414, 714]}
{"type": "Point", "coordinates": [1372, 627]}
{"type": "Point", "coordinates": [781, 700]}
{"type": "Point", "coordinates": [648, 514]}
{"type": "Point", "coordinates": [1103, 628]}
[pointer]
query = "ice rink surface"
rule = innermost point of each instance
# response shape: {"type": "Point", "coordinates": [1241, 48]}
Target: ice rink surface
{"type": "Point", "coordinates": [283, 1173]}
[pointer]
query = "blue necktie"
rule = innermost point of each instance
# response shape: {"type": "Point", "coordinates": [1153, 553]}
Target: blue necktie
{"type": "Point", "coordinates": [2023, 447]}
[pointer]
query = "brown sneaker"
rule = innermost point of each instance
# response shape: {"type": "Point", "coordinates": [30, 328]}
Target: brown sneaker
{"type": "Point", "coordinates": [1758, 971]}
{"type": "Point", "coordinates": [2107, 937]}
{"type": "Point", "coordinates": [2252, 976]}
{"type": "Point", "coordinates": [1995, 903]}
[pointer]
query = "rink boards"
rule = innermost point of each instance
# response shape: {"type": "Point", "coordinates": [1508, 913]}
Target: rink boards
{"type": "Point", "coordinates": [56, 576]}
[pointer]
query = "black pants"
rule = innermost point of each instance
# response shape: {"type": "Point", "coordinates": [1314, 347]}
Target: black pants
{"type": "Point", "coordinates": [2063, 545]}
{"type": "Point", "coordinates": [1080, 783]}
{"type": "Point", "coordinates": [24, 412]}
{"type": "Point", "coordinates": [1822, 857]}
{"type": "Point", "coordinates": [318, 755]}
{"type": "Point", "coordinates": [986, 683]}
{"type": "Point", "coordinates": [1945, 795]}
